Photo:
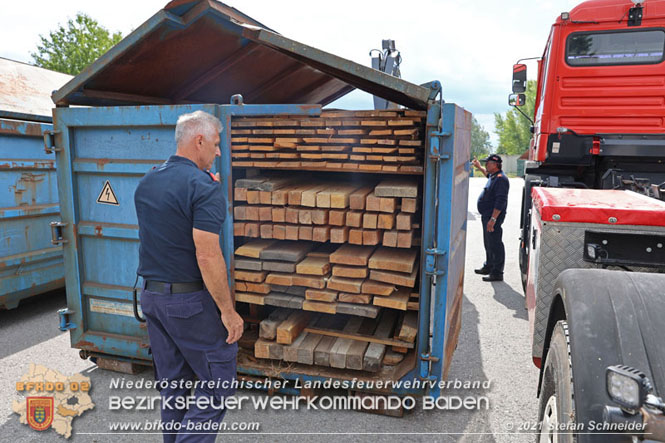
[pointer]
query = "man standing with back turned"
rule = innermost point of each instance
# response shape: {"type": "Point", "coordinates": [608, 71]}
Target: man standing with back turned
{"type": "Point", "coordinates": [192, 323]}
{"type": "Point", "coordinates": [492, 205]}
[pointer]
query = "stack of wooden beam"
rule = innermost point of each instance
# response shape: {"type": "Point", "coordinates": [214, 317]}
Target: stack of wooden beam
{"type": "Point", "coordinates": [365, 141]}
{"type": "Point", "coordinates": [333, 341]}
{"type": "Point", "coordinates": [323, 211]}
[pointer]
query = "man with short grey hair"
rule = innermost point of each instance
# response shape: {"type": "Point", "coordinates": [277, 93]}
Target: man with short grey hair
{"type": "Point", "coordinates": [192, 323]}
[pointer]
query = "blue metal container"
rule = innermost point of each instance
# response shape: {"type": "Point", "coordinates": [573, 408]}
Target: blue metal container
{"type": "Point", "coordinates": [29, 263]}
{"type": "Point", "coordinates": [113, 147]}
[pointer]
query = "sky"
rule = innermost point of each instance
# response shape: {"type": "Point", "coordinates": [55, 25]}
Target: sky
{"type": "Point", "coordinates": [468, 45]}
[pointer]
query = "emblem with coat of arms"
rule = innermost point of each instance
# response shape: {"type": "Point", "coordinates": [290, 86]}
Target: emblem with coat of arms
{"type": "Point", "coordinates": [40, 412]}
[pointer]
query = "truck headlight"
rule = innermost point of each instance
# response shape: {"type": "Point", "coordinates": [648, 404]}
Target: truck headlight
{"type": "Point", "coordinates": [627, 387]}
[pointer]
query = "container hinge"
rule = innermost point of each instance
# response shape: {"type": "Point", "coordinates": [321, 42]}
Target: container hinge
{"type": "Point", "coordinates": [49, 142]}
{"type": "Point", "coordinates": [425, 372]}
{"type": "Point", "coordinates": [436, 144]}
{"type": "Point", "coordinates": [56, 233]}
{"type": "Point", "coordinates": [65, 323]}
{"type": "Point", "coordinates": [433, 264]}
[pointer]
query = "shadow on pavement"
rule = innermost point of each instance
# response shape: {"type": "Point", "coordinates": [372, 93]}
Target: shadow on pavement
{"type": "Point", "coordinates": [510, 298]}
{"type": "Point", "coordinates": [41, 311]}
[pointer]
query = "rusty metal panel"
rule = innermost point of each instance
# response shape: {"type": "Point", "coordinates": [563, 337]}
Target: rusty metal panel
{"type": "Point", "coordinates": [204, 52]}
{"type": "Point", "coordinates": [29, 263]}
{"type": "Point", "coordinates": [25, 90]}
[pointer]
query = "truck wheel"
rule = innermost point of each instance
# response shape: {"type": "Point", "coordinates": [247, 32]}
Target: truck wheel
{"type": "Point", "coordinates": [557, 405]}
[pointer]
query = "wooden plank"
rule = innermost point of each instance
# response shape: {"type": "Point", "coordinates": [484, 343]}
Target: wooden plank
{"type": "Point", "coordinates": [251, 213]}
{"type": "Point", "coordinates": [409, 205]}
{"type": "Point", "coordinates": [372, 237]}
{"type": "Point", "coordinates": [305, 216]}
{"type": "Point", "coordinates": [252, 276]}
{"type": "Point", "coordinates": [321, 234]}
{"type": "Point", "coordinates": [262, 348]}
{"type": "Point", "coordinates": [266, 230]}
{"type": "Point", "coordinates": [397, 300]}
{"type": "Point", "coordinates": [319, 216]}
{"type": "Point", "coordinates": [295, 194]}
{"type": "Point", "coordinates": [349, 271]}
{"type": "Point", "coordinates": [342, 345]}
{"type": "Point", "coordinates": [250, 183]}
{"type": "Point", "coordinates": [377, 288]}
{"type": "Point", "coordinates": [265, 197]}
{"type": "Point", "coordinates": [390, 238]}
{"type": "Point", "coordinates": [404, 221]}
{"type": "Point", "coordinates": [352, 285]}
{"type": "Point", "coordinates": [252, 230]}
{"type": "Point", "coordinates": [392, 358]}
{"type": "Point", "coordinates": [258, 288]}
{"type": "Point", "coordinates": [362, 299]}
{"type": "Point", "coordinates": [240, 194]}
{"type": "Point", "coordinates": [308, 196]}
{"type": "Point", "coordinates": [253, 249]}
{"type": "Point", "coordinates": [284, 300]}
{"type": "Point", "coordinates": [292, 215]}
{"type": "Point", "coordinates": [313, 266]}
{"type": "Point", "coordinates": [324, 198]}
{"type": "Point", "coordinates": [322, 351]}
{"type": "Point", "coordinates": [370, 220]}
{"type": "Point", "coordinates": [375, 351]}
{"type": "Point", "coordinates": [286, 251]}
{"type": "Point", "coordinates": [290, 328]}
{"type": "Point", "coordinates": [268, 326]}
{"type": "Point", "coordinates": [305, 233]}
{"type": "Point", "coordinates": [291, 351]}
{"type": "Point", "coordinates": [354, 219]}
{"type": "Point", "coordinates": [368, 311]}
{"type": "Point", "coordinates": [397, 187]}
{"type": "Point", "coordinates": [247, 264]}
{"type": "Point", "coordinates": [246, 297]}
{"type": "Point", "coordinates": [323, 295]}
{"type": "Point", "coordinates": [238, 229]}
{"type": "Point", "coordinates": [339, 234]}
{"type": "Point", "coordinates": [309, 281]}
{"type": "Point", "coordinates": [356, 352]}
{"type": "Point", "coordinates": [385, 221]}
{"type": "Point", "coordinates": [240, 286]}
{"type": "Point", "coordinates": [278, 266]}
{"type": "Point", "coordinates": [275, 278]}
{"type": "Point", "coordinates": [387, 204]}
{"type": "Point", "coordinates": [396, 278]}
{"type": "Point", "coordinates": [278, 214]}
{"type": "Point", "coordinates": [351, 255]}
{"type": "Point", "coordinates": [372, 202]}
{"type": "Point", "coordinates": [280, 197]}
{"type": "Point", "coordinates": [291, 232]}
{"type": "Point", "coordinates": [318, 306]}
{"type": "Point", "coordinates": [337, 217]}
{"type": "Point", "coordinates": [404, 239]}
{"type": "Point", "coordinates": [356, 236]}
{"type": "Point", "coordinates": [409, 328]}
{"type": "Point", "coordinates": [357, 198]}
{"type": "Point", "coordinates": [389, 259]}
{"type": "Point", "coordinates": [389, 317]}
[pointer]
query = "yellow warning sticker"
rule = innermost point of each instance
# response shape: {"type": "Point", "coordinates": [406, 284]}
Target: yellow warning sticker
{"type": "Point", "coordinates": [107, 196]}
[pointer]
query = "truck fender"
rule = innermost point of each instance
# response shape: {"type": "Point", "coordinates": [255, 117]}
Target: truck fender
{"type": "Point", "coordinates": [614, 317]}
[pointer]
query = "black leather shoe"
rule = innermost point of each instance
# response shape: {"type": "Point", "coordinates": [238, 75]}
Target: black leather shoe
{"type": "Point", "coordinates": [495, 277]}
{"type": "Point", "coordinates": [482, 271]}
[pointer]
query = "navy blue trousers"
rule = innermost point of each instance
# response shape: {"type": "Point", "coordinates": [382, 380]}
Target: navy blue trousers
{"type": "Point", "coordinates": [188, 342]}
{"type": "Point", "coordinates": [495, 253]}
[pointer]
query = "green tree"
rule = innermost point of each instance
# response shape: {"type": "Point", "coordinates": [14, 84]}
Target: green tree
{"type": "Point", "coordinates": [480, 140]}
{"type": "Point", "coordinates": [71, 49]}
{"type": "Point", "coordinates": [513, 129]}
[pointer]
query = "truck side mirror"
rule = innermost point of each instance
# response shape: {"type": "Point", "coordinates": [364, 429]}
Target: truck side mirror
{"type": "Point", "coordinates": [517, 100]}
{"type": "Point", "coordinates": [519, 78]}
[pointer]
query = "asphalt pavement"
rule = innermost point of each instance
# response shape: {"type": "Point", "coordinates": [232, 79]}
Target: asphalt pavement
{"type": "Point", "coordinates": [493, 348]}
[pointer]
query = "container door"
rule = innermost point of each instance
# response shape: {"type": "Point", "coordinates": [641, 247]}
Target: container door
{"type": "Point", "coordinates": [29, 263]}
{"type": "Point", "coordinates": [102, 153]}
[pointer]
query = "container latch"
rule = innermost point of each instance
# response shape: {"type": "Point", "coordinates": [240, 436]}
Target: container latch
{"type": "Point", "coordinates": [65, 323]}
{"type": "Point", "coordinates": [56, 233]}
{"type": "Point", "coordinates": [432, 264]}
{"type": "Point", "coordinates": [425, 366]}
{"type": "Point", "coordinates": [49, 142]}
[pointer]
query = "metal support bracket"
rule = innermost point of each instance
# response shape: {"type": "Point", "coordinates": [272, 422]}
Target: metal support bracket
{"type": "Point", "coordinates": [432, 263]}
{"type": "Point", "coordinates": [424, 369]}
{"type": "Point", "coordinates": [65, 324]}
{"type": "Point", "coordinates": [56, 233]}
{"type": "Point", "coordinates": [435, 146]}
{"type": "Point", "coordinates": [49, 142]}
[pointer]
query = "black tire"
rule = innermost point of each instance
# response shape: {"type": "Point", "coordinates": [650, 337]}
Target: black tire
{"type": "Point", "coordinates": [557, 402]}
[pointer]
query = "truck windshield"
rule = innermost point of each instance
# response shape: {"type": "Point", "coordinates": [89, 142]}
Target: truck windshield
{"type": "Point", "coordinates": [615, 47]}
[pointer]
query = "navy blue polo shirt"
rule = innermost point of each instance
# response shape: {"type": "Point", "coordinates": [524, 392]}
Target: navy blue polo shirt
{"type": "Point", "coordinates": [171, 200]}
{"type": "Point", "coordinates": [495, 194]}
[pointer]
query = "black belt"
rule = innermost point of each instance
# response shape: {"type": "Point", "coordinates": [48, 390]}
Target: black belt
{"type": "Point", "coordinates": [175, 288]}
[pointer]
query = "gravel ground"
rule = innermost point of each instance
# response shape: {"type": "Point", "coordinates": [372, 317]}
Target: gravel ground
{"type": "Point", "coordinates": [493, 348]}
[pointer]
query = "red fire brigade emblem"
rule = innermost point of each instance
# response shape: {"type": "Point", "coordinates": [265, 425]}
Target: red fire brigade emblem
{"type": "Point", "coordinates": [40, 412]}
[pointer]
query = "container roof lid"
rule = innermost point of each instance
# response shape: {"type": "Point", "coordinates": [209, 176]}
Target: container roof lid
{"type": "Point", "coordinates": [202, 51]}
{"type": "Point", "coordinates": [25, 90]}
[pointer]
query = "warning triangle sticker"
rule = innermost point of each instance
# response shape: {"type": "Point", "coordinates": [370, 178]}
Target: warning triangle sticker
{"type": "Point", "coordinates": [107, 196]}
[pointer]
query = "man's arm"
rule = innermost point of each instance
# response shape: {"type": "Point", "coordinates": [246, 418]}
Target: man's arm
{"type": "Point", "coordinates": [478, 166]}
{"type": "Point", "coordinates": [213, 269]}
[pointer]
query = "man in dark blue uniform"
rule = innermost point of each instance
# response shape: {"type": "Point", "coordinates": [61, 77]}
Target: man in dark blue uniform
{"type": "Point", "coordinates": [192, 323]}
{"type": "Point", "coordinates": [492, 205]}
